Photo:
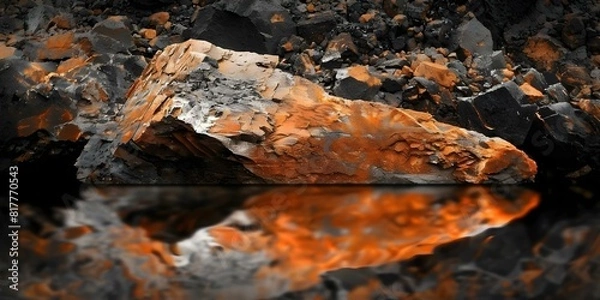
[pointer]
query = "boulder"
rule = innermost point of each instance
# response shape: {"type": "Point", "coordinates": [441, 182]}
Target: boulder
{"type": "Point", "coordinates": [255, 25]}
{"type": "Point", "coordinates": [226, 29]}
{"type": "Point", "coordinates": [200, 113]}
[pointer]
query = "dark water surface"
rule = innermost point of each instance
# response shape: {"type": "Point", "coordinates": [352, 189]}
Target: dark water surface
{"type": "Point", "coordinates": [310, 242]}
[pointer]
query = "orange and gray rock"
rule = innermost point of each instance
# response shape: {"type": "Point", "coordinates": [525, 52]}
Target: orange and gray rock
{"type": "Point", "coordinates": [338, 49]}
{"type": "Point", "coordinates": [356, 82]}
{"type": "Point", "coordinates": [200, 104]}
{"type": "Point", "coordinates": [63, 103]}
{"type": "Point", "coordinates": [251, 242]}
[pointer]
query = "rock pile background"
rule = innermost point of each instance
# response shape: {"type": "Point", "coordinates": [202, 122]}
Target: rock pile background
{"type": "Point", "coordinates": [525, 71]}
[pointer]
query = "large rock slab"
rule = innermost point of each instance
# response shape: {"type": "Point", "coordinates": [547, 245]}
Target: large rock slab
{"type": "Point", "coordinates": [200, 113]}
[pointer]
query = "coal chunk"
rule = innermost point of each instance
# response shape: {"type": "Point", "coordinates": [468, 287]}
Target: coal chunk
{"type": "Point", "coordinates": [316, 28]}
{"type": "Point", "coordinates": [112, 35]}
{"type": "Point", "coordinates": [272, 20]}
{"type": "Point", "coordinates": [498, 112]}
{"type": "Point", "coordinates": [475, 38]}
{"type": "Point", "coordinates": [226, 29]}
{"type": "Point", "coordinates": [565, 139]}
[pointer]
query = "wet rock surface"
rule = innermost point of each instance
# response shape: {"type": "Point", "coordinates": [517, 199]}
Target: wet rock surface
{"type": "Point", "coordinates": [309, 242]}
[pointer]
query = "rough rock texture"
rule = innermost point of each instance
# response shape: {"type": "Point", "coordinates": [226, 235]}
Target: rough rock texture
{"type": "Point", "coordinates": [475, 38]}
{"type": "Point", "coordinates": [252, 243]}
{"type": "Point", "coordinates": [255, 25]}
{"type": "Point", "coordinates": [65, 103]}
{"type": "Point", "coordinates": [499, 112]}
{"type": "Point", "coordinates": [277, 128]}
{"type": "Point", "coordinates": [551, 45]}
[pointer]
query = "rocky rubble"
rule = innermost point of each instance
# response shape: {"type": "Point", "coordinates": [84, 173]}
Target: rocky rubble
{"type": "Point", "coordinates": [524, 71]}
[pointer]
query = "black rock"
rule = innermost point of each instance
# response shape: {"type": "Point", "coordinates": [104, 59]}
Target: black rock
{"type": "Point", "coordinates": [498, 112]}
{"type": "Point", "coordinates": [272, 20]}
{"type": "Point", "coordinates": [475, 38]}
{"type": "Point", "coordinates": [573, 32]}
{"type": "Point", "coordinates": [339, 48]}
{"type": "Point", "coordinates": [536, 79]}
{"type": "Point", "coordinates": [558, 93]}
{"type": "Point", "coordinates": [112, 35]}
{"type": "Point", "coordinates": [38, 18]}
{"type": "Point", "coordinates": [393, 84]}
{"type": "Point", "coordinates": [352, 88]}
{"type": "Point", "coordinates": [317, 27]}
{"type": "Point", "coordinates": [10, 24]}
{"type": "Point", "coordinates": [564, 139]}
{"type": "Point", "coordinates": [488, 62]}
{"type": "Point", "coordinates": [227, 30]}
{"type": "Point", "coordinates": [151, 3]}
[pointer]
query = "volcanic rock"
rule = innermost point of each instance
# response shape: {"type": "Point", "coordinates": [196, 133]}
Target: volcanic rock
{"type": "Point", "coordinates": [315, 28]}
{"type": "Point", "coordinates": [10, 24]}
{"type": "Point", "coordinates": [573, 33]}
{"type": "Point", "coordinates": [533, 95]}
{"type": "Point", "coordinates": [566, 139]}
{"type": "Point", "coordinates": [356, 83]}
{"type": "Point", "coordinates": [112, 35]}
{"type": "Point", "coordinates": [201, 106]}
{"type": "Point", "coordinates": [485, 64]}
{"type": "Point", "coordinates": [535, 79]}
{"type": "Point", "coordinates": [6, 51]}
{"type": "Point", "coordinates": [339, 48]}
{"type": "Point", "coordinates": [475, 38]}
{"type": "Point", "coordinates": [272, 21]}
{"type": "Point", "coordinates": [591, 107]}
{"type": "Point", "coordinates": [67, 102]}
{"type": "Point", "coordinates": [226, 29]}
{"type": "Point", "coordinates": [256, 25]}
{"type": "Point", "coordinates": [159, 18]}
{"type": "Point", "coordinates": [39, 17]}
{"type": "Point", "coordinates": [558, 93]}
{"type": "Point", "coordinates": [498, 112]}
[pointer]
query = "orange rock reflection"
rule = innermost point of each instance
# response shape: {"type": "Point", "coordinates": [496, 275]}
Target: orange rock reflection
{"type": "Point", "coordinates": [268, 240]}
{"type": "Point", "coordinates": [307, 231]}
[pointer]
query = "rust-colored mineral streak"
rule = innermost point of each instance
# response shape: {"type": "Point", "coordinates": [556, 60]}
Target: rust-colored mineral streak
{"type": "Point", "coordinates": [194, 99]}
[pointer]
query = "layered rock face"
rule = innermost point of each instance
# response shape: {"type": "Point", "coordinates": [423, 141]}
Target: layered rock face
{"type": "Point", "coordinates": [235, 116]}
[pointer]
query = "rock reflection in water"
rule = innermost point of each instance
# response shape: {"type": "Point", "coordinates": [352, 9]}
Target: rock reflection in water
{"type": "Point", "coordinates": [247, 242]}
